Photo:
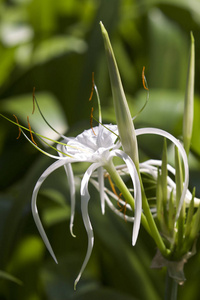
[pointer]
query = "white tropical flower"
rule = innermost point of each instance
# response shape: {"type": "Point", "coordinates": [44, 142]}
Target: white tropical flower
{"type": "Point", "coordinates": [97, 146]}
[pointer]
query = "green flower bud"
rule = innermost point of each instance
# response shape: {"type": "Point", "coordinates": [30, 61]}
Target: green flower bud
{"type": "Point", "coordinates": [122, 112]}
{"type": "Point", "coordinates": [189, 100]}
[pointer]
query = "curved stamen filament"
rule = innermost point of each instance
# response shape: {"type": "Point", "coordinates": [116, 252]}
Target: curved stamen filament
{"type": "Point", "coordinates": [123, 210]}
{"type": "Point", "coordinates": [145, 85]}
{"type": "Point", "coordinates": [29, 126]}
{"type": "Point", "coordinates": [91, 120]}
{"type": "Point", "coordinates": [33, 101]}
{"type": "Point", "coordinates": [18, 127]}
{"type": "Point", "coordinates": [92, 91]}
{"type": "Point", "coordinates": [144, 82]}
{"type": "Point", "coordinates": [43, 117]}
{"type": "Point", "coordinates": [42, 136]}
{"type": "Point", "coordinates": [122, 207]}
{"type": "Point", "coordinates": [113, 188]}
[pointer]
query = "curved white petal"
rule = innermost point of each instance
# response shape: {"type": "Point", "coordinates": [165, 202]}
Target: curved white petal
{"type": "Point", "coordinates": [137, 192]}
{"type": "Point", "coordinates": [149, 167]}
{"type": "Point", "coordinates": [156, 162]}
{"type": "Point", "coordinates": [36, 217]}
{"type": "Point", "coordinates": [70, 177]}
{"type": "Point", "coordinates": [164, 133]}
{"type": "Point", "coordinates": [101, 188]}
{"type": "Point", "coordinates": [85, 197]}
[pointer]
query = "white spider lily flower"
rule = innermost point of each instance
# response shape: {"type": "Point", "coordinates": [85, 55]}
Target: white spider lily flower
{"type": "Point", "coordinates": [99, 150]}
{"type": "Point", "coordinates": [98, 146]}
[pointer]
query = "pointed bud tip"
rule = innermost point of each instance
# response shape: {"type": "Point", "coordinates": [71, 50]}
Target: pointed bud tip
{"type": "Point", "coordinates": [102, 26]}
{"type": "Point", "coordinates": [103, 30]}
{"type": "Point", "coordinates": [192, 36]}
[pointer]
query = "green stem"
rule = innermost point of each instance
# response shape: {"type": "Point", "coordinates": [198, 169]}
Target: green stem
{"type": "Point", "coordinates": [147, 219]}
{"type": "Point", "coordinates": [171, 288]}
{"type": "Point", "coordinates": [154, 230]}
{"type": "Point", "coordinates": [124, 190]}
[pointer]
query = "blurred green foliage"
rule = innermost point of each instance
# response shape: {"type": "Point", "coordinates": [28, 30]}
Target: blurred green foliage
{"type": "Point", "coordinates": [55, 46]}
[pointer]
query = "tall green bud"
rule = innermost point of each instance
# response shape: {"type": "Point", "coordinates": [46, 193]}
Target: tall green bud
{"type": "Point", "coordinates": [189, 100]}
{"type": "Point", "coordinates": [122, 112]}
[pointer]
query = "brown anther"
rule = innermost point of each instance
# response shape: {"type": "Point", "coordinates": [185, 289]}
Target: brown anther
{"type": "Point", "coordinates": [125, 211]}
{"type": "Point", "coordinates": [29, 126]}
{"type": "Point", "coordinates": [114, 191]}
{"type": "Point", "coordinates": [144, 79]}
{"type": "Point", "coordinates": [18, 127]}
{"type": "Point", "coordinates": [33, 100]}
{"type": "Point", "coordinates": [118, 203]}
{"type": "Point", "coordinates": [92, 91]}
{"type": "Point", "coordinates": [91, 120]}
{"type": "Point", "coordinates": [122, 207]}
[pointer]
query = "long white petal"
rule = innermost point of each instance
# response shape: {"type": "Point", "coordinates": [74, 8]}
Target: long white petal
{"type": "Point", "coordinates": [156, 162]}
{"type": "Point", "coordinates": [164, 133]}
{"type": "Point", "coordinates": [85, 197]}
{"type": "Point", "coordinates": [70, 177]}
{"type": "Point", "coordinates": [101, 188]}
{"type": "Point", "coordinates": [36, 217]}
{"type": "Point", "coordinates": [137, 192]}
{"type": "Point", "coordinates": [149, 167]}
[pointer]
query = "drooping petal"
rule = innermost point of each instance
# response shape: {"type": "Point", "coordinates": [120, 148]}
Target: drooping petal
{"type": "Point", "coordinates": [164, 133]}
{"type": "Point", "coordinates": [101, 188]}
{"type": "Point", "coordinates": [70, 177]}
{"type": "Point", "coordinates": [156, 162]}
{"type": "Point", "coordinates": [137, 191]}
{"type": "Point", "coordinates": [85, 197]}
{"type": "Point", "coordinates": [36, 217]}
{"type": "Point", "coordinates": [150, 167]}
